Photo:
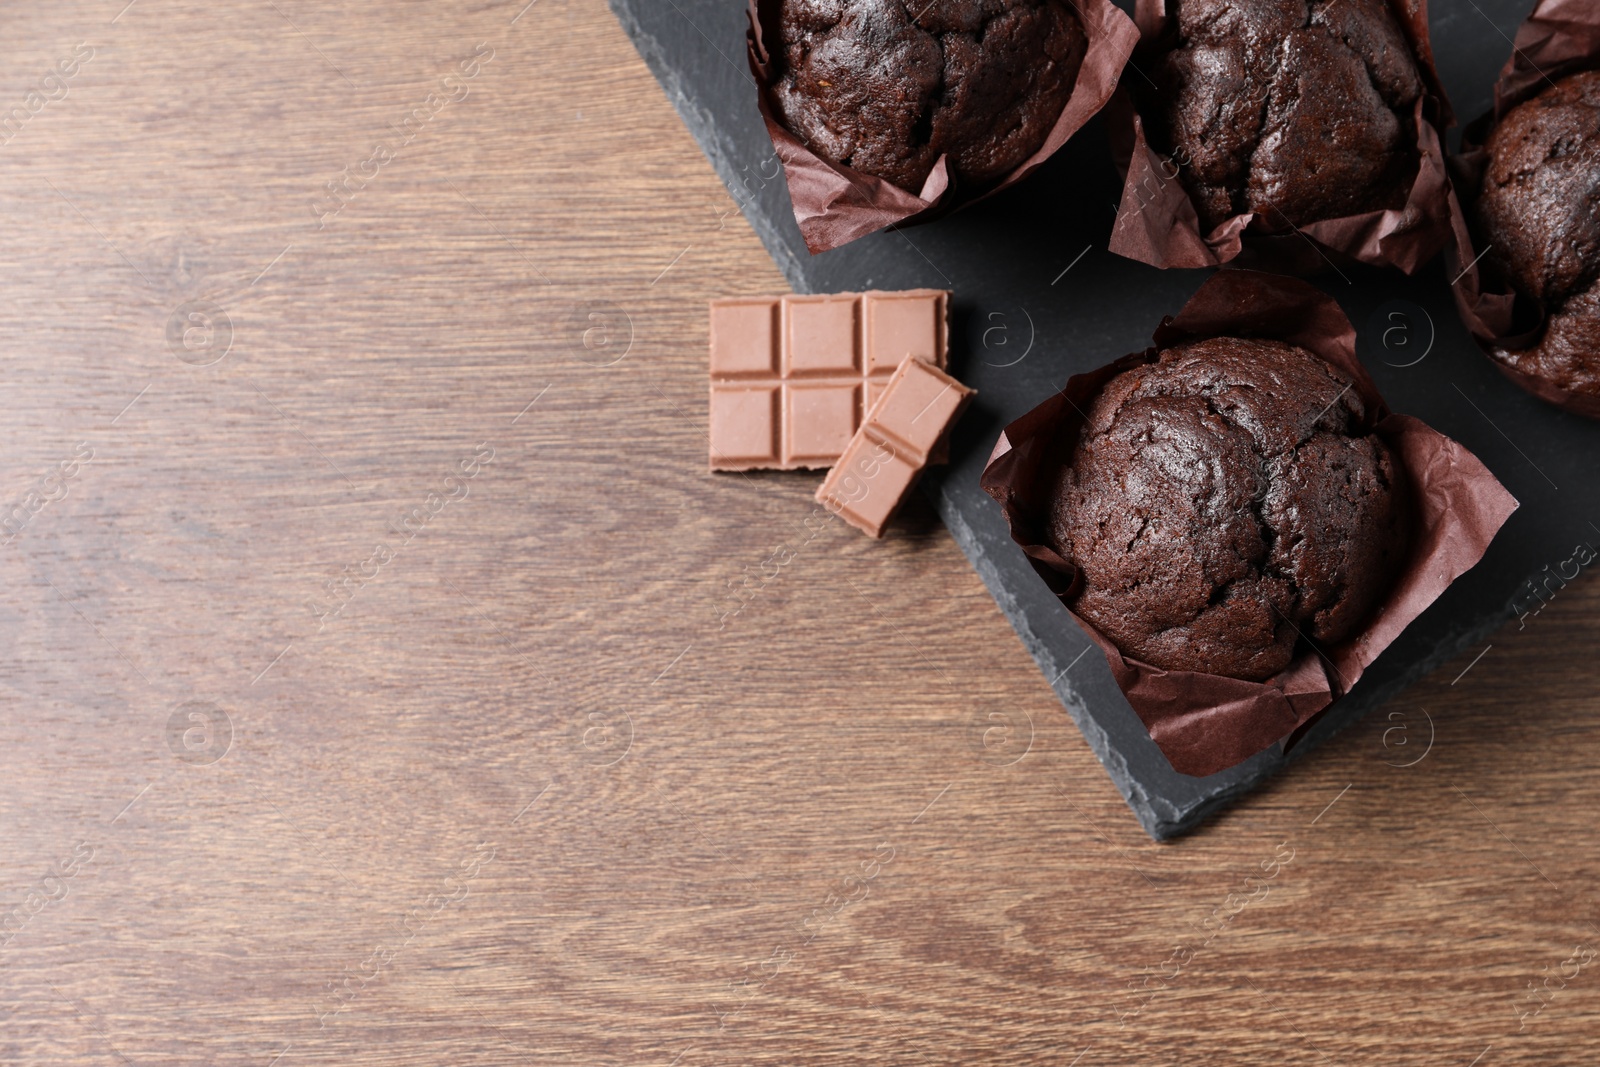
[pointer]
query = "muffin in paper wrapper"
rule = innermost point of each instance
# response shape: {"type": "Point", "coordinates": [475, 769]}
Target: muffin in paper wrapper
{"type": "Point", "coordinates": [835, 204]}
{"type": "Point", "coordinates": [1158, 223]}
{"type": "Point", "coordinates": [1560, 37]}
{"type": "Point", "coordinates": [1205, 723]}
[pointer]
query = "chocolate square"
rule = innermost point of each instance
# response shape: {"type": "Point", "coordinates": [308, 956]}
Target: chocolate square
{"type": "Point", "coordinates": [917, 403]}
{"type": "Point", "coordinates": [819, 420]}
{"type": "Point", "coordinates": [744, 426]}
{"type": "Point", "coordinates": [820, 335]}
{"type": "Point", "coordinates": [744, 336]}
{"type": "Point", "coordinates": [899, 325]}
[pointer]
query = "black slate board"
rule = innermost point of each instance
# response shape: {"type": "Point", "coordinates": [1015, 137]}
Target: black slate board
{"type": "Point", "coordinates": [1038, 299]}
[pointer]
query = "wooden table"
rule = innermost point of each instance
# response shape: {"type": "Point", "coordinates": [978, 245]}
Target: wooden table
{"type": "Point", "coordinates": [375, 692]}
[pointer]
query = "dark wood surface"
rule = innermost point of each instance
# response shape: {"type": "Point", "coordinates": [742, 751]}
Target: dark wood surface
{"type": "Point", "coordinates": [398, 688]}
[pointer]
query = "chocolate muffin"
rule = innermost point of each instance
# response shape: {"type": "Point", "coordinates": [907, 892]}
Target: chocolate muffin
{"type": "Point", "coordinates": [1538, 216]}
{"type": "Point", "coordinates": [1227, 501]}
{"type": "Point", "coordinates": [888, 86]}
{"type": "Point", "coordinates": [1298, 110]}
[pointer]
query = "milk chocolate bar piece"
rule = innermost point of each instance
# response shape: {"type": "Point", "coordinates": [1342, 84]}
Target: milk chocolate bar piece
{"type": "Point", "coordinates": [792, 377]}
{"type": "Point", "coordinates": [885, 457]}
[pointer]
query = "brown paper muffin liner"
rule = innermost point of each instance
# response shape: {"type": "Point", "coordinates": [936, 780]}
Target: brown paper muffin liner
{"type": "Point", "coordinates": [1560, 37]}
{"type": "Point", "coordinates": [835, 205]}
{"type": "Point", "coordinates": [1205, 723]}
{"type": "Point", "coordinates": [1157, 222]}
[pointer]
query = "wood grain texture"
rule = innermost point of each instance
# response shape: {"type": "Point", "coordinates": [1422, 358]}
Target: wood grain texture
{"type": "Point", "coordinates": [536, 793]}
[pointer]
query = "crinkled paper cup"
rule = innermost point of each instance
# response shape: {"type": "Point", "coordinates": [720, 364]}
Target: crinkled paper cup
{"type": "Point", "coordinates": [1205, 723]}
{"type": "Point", "coordinates": [1560, 37]}
{"type": "Point", "coordinates": [1157, 222]}
{"type": "Point", "coordinates": [835, 205]}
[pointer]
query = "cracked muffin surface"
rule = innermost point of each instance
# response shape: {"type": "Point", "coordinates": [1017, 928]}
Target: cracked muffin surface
{"type": "Point", "coordinates": [1226, 502]}
{"type": "Point", "coordinates": [1538, 221]}
{"type": "Point", "coordinates": [887, 86]}
{"type": "Point", "coordinates": [1298, 110]}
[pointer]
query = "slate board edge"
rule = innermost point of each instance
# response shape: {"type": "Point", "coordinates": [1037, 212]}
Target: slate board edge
{"type": "Point", "coordinates": [1116, 767]}
{"type": "Point", "coordinates": [705, 134]}
{"type": "Point", "coordinates": [1161, 819]}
